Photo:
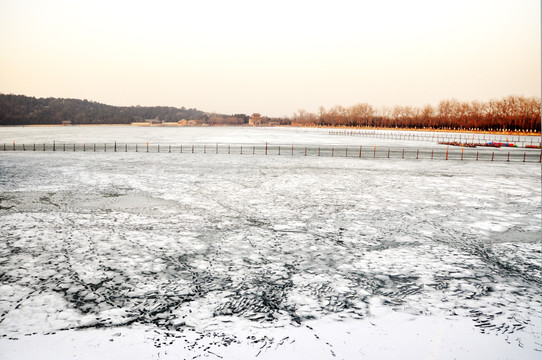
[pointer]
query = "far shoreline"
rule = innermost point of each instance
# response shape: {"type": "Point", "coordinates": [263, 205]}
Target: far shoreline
{"type": "Point", "coordinates": [346, 128]}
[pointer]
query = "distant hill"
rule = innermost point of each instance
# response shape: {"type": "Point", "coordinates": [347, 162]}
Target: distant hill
{"type": "Point", "coordinates": [25, 110]}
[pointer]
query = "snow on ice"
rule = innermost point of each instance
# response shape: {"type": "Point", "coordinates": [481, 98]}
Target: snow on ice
{"type": "Point", "coordinates": [145, 255]}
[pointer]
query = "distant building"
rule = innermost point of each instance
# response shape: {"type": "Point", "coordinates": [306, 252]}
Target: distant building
{"type": "Point", "coordinates": [255, 119]}
{"type": "Point", "coordinates": [66, 123]}
{"type": "Point", "coordinates": [182, 122]}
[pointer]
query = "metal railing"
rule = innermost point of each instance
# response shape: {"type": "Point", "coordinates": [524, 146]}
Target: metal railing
{"type": "Point", "coordinates": [360, 152]}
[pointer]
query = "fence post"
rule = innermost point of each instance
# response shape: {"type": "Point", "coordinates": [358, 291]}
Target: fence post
{"type": "Point", "coordinates": [292, 149]}
{"type": "Point", "coordinates": [492, 155]}
{"type": "Point", "coordinates": [279, 149]}
{"type": "Point", "coordinates": [447, 152]}
{"type": "Point", "coordinates": [193, 149]}
{"type": "Point", "coordinates": [403, 155]}
{"type": "Point", "coordinates": [374, 152]}
{"type": "Point", "coordinates": [462, 154]}
{"type": "Point", "coordinates": [305, 151]}
{"type": "Point", "coordinates": [388, 153]}
{"type": "Point", "coordinates": [241, 149]}
{"type": "Point", "coordinates": [417, 153]}
{"type": "Point", "coordinates": [508, 160]}
{"type": "Point", "coordinates": [476, 155]}
{"type": "Point", "coordinates": [346, 152]}
{"type": "Point", "coordinates": [332, 151]}
{"type": "Point", "coordinates": [524, 156]}
{"type": "Point", "coordinates": [266, 148]}
{"type": "Point", "coordinates": [147, 146]}
{"type": "Point", "coordinates": [158, 147]}
{"type": "Point", "coordinates": [360, 151]}
{"type": "Point", "coordinates": [115, 146]}
{"type": "Point", "coordinates": [318, 150]}
{"type": "Point", "coordinates": [432, 154]}
{"type": "Point", "coordinates": [63, 147]}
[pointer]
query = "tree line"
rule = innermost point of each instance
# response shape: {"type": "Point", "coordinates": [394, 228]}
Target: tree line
{"type": "Point", "coordinates": [512, 113]}
{"type": "Point", "coordinates": [25, 110]}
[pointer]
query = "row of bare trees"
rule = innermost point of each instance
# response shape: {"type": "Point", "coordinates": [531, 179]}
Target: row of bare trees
{"type": "Point", "coordinates": [512, 113]}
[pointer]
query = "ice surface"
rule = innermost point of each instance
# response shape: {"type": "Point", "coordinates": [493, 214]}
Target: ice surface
{"type": "Point", "coordinates": [145, 255]}
{"type": "Point", "coordinates": [242, 135]}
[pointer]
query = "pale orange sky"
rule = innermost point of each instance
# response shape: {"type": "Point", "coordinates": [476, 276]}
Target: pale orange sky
{"type": "Point", "coordinates": [272, 57]}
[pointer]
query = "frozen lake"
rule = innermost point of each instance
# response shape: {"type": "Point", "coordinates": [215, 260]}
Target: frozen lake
{"type": "Point", "coordinates": [318, 142]}
{"type": "Point", "coordinates": [137, 255]}
{"type": "Point", "coordinates": [239, 135]}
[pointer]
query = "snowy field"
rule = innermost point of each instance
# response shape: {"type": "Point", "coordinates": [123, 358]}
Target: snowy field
{"type": "Point", "coordinates": [178, 256]}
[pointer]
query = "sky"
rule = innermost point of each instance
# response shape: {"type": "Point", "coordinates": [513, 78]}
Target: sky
{"type": "Point", "coordinates": [272, 57]}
